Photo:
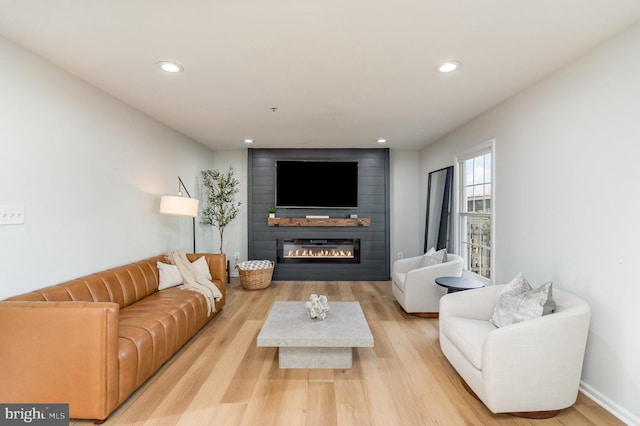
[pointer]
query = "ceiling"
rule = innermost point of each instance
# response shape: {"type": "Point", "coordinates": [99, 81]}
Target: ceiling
{"type": "Point", "coordinates": [341, 73]}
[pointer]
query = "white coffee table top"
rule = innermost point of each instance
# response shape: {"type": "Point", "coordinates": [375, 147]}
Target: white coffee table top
{"type": "Point", "coordinates": [288, 325]}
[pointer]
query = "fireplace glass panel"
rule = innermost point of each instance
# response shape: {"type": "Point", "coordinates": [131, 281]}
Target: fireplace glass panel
{"type": "Point", "coordinates": [319, 250]}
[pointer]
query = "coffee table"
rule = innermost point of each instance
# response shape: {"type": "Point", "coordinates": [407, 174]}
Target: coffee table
{"type": "Point", "coordinates": [314, 343]}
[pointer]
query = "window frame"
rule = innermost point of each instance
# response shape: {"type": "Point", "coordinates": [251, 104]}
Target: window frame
{"type": "Point", "coordinates": [459, 159]}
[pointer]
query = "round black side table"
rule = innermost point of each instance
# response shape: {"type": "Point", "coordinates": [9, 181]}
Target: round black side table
{"type": "Point", "coordinates": [454, 284]}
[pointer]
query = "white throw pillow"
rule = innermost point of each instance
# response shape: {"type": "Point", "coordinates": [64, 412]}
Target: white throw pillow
{"type": "Point", "coordinates": [201, 266]}
{"type": "Point", "coordinates": [170, 275]}
{"type": "Point", "coordinates": [518, 302]}
{"type": "Point", "coordinates": [433, 257]}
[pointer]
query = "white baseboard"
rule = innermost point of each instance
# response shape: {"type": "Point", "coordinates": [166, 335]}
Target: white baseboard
{"type": "Point", "coordinates": [620, 412]}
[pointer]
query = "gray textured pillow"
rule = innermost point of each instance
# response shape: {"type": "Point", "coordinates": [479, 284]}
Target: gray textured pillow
{"type": "Point", "coordinates": [519, 302]}
{"type": "Point", "coordinates": [433, 257]}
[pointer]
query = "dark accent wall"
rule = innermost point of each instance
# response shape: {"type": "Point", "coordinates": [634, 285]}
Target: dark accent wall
{"type": "Point", "coordinates": [373, 202]}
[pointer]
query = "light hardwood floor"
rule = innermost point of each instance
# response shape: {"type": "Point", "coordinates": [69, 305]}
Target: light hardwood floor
{"type": "Point", "coordinates": [222, 378]}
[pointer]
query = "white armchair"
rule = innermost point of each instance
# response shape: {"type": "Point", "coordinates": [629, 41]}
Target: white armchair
{"type": "Point", "coordinates": [414, 287]}
{"type": "Point", "coordinates": [529, 369]}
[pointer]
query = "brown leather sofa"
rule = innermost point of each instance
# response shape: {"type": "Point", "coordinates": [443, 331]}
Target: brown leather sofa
{"type": "Point", "coordinates": [92, 341]}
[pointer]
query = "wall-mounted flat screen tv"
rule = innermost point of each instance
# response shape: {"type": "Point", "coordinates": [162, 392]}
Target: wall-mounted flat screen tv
{"type": "Point", "coordinates": [317, 184]}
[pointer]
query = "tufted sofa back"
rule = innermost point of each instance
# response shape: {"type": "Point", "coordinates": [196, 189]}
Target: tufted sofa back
{"type": "Point", "coordinates": [123, 285]}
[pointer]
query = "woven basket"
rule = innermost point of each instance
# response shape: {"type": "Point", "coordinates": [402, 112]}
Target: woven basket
{"type": "Point", "coordinates": [255, 274]}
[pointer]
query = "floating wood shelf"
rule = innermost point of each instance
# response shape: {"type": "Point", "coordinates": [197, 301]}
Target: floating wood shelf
{"type": "Point", "coordinates": [303, 221]}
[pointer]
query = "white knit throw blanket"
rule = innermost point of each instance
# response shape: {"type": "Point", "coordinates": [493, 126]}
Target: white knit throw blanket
{"type": "Point", "coordinates": [195, 281]}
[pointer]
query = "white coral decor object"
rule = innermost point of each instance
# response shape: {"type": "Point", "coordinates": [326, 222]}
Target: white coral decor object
{"type": "Point", "coordinates": [317, 306]}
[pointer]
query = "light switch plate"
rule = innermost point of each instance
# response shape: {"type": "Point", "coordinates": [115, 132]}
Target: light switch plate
{"type": "Point", "coordinates": [11, 215]}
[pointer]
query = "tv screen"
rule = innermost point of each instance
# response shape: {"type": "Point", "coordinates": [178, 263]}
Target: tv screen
{"type": "Point", "coordinates": [312, 184]}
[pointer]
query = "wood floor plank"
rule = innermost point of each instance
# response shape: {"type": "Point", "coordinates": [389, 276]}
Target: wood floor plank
{"type": "Point", "coordinates": [383, 347]}
{"type": "Point", "coordinates": [350, 400]}
{"type": "Point", "coordinates": [321, 407]}
{"type": "Point", "coordinates": [231, 413]}
{"type": "Point", "coordinates": [229, 362]}
{"type": "Point", "coordinates": [377, 394]}
{"type": "Point", "coordinates": [277, 402]}
{"type": "Point", "coordinates": [222, 377]}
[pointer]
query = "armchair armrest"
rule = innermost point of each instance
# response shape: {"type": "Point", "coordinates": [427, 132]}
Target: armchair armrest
{"type": "Point", "coordinates": [474, 304]}
{"type": "Point", "coordinates": [428, 274]}
{"type": "Point", "coordinates": [64, 352]}
{"type": "Point", "coordinates": [407, 264]}
{"type": "Point", "coordinates": [552, 345]}
{"type": "Point", "coordinates": [414, 287]}
{"type": "Point", "coordinates": [557, 339]}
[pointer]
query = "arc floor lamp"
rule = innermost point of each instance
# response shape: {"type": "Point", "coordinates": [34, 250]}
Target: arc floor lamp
{"type": "Point", "coordinates": [179, 205]}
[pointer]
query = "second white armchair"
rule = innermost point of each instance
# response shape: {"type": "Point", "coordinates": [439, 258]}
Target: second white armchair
{"type": "Point", "coordinates": [414, 286]}
{"type": "Point", "coordinates": [531, 368]}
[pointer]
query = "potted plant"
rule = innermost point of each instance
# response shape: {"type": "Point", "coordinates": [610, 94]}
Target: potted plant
{"type": "Point", "coordinates": [221, 207]}
{"type": "Point", "coordinates": [272, 210]}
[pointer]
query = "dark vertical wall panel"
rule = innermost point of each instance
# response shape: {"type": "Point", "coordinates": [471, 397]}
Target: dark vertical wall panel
{"type": "Point", "coordinates": [373, 202]}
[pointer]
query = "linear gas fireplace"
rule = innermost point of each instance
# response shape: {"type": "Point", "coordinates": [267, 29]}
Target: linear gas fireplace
{"type": "Point", "coordinates": [319, 251]}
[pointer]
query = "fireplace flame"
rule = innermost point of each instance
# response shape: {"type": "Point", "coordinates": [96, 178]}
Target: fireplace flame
{"type": "Point", "coordinates": [320, 253]}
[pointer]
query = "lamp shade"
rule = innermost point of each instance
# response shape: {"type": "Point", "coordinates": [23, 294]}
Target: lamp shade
{"type": "Point", "coordinates": [179, 206]}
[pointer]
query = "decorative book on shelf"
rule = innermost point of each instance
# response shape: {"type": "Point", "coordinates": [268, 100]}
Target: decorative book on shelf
{"type": "Point", "coordinates": [303, 221]}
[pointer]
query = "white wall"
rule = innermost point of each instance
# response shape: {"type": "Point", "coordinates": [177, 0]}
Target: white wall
{"type": "Point", "coordinates": [89, 171]}
{"type": "Point", "coordinates": [405, 183]}
{"type": "Point", "coordinates": [567, 197]}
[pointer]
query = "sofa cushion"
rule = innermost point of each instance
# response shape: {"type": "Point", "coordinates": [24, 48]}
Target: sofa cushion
{"type": "Point", "coordinates": [468, 335]}
{"type": "Point", "coordinates": [518, 302]}
{"type": "Point", "coordinates": [154, 329]}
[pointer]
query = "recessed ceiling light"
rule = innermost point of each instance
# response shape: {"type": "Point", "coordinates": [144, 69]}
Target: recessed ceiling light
{"type": "Point", "coordinates": [382, 140]}
{"type": "Point", "coordinates": [171, 67]}
{"type": "Point", "coordinates": [248, 141]}
{"type": "Point", "coordinates": [448, 66]}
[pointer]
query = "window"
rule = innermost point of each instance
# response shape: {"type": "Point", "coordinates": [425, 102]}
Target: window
{"type": "Point", "coordinates": [475, 209]}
